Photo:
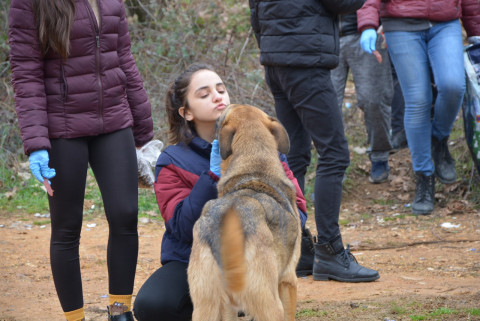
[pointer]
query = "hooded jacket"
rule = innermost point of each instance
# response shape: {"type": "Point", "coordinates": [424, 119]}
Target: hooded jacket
{"type": "Point", "coordinates": [96, 90]}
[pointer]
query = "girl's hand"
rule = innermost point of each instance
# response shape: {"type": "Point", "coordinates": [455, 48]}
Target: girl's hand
{"type": "Point", "coordinates": [215, 158]}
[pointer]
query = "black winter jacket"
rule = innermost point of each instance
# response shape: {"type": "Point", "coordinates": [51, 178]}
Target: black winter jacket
{"type": "Point", "coordinates": [300, 33]}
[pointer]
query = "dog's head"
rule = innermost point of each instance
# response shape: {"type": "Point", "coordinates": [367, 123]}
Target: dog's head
{"type": "Point", "coordinates": [235, 115]}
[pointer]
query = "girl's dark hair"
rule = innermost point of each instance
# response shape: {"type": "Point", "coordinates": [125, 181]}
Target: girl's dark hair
{"type": "Point", "coordinates": [54, 20]}
{"type": "Point", "coordinates": [181, 130]}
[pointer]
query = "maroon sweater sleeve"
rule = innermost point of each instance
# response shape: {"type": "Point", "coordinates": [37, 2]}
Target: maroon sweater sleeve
{"type": "Point", "coordinates": [368, 15]}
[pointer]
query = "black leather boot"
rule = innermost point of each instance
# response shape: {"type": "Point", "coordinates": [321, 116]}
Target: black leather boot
{"type": "Point", "coordinates": [333, 262]}
{"type": "Point", "coordinates": [305, 264]}
{"type": "Point", "coordinates": [444, 164]}
{"type": "Point", "coordinates": [424, 195]}
{"type": "Point", "coordinates": [116, 312]}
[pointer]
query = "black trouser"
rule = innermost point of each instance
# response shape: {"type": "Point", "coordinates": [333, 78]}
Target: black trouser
{"type": "Point", "coordinates": [306, 104]}
{"type": "Point", "coordinates": [165, 295]}
{"type": "Point", "coordinates": [113, 160]}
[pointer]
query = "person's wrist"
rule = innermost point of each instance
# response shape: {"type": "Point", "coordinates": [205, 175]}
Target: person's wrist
{"type": "Point", "coordinates": [214, 176]}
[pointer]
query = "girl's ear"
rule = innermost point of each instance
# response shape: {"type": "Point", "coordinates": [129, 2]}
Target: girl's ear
{"type": "Point", "coordinates": [185, 113]}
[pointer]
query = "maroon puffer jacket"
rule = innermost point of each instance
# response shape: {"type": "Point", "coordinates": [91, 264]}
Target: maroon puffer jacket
{"type": "Point", "coordinates": [433, 10]}
{"type": "Point", "coordinates": [97, 90]}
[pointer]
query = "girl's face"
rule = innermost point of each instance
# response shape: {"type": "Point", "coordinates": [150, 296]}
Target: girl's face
{"type": "Point", "coordinates": [207, 97]}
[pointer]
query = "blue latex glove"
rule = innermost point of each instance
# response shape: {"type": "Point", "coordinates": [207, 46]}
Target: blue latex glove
{"type": "Point", "coordinates": [368, 40]}
{"type": "Point", "coordinates": [215, 158]}
{"type": "Point", "coordinates": [39, 165]}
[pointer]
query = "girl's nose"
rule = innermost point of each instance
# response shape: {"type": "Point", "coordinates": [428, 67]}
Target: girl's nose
{"type": "Point", "coordinates": [217, 96]}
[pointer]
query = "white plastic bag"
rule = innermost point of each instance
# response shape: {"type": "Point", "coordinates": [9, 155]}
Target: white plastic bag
{"type": "Point", "coordinates": [146, 159]}
{"type": "Point", "coordinates": [471, 103]}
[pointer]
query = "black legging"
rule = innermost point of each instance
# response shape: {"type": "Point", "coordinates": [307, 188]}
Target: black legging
{"type": "Point", "coordinates": [165, 295]}
{"type": "Point", "coordinates": [113, 160]}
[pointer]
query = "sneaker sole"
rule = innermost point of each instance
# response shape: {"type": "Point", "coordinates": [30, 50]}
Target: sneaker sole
{"type": "Point", "coordinates": [377, 181]}
{"type": "Point", "coordinates": [304, 273]}
{"type": "Point", "coordinates": [445, 181]}
{"type": "Point", "coordinates": [328, 277]}
{"type": "Point", "coordinates": [421, 212]}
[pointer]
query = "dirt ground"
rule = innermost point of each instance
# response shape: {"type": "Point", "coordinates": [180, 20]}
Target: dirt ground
{"type": "Point", "coordinates": [429, 265]}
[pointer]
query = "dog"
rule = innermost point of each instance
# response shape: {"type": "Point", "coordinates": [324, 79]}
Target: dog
{"type": "Point", "coordinates": [246, 243]}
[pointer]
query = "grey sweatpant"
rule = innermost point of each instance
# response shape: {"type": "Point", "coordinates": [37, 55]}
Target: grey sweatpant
{"type": "Point", "coordinates": [374, 89]}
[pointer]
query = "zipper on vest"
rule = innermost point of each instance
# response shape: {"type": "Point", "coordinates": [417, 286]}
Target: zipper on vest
{"type": "Point", "coordinates": [97, 58]}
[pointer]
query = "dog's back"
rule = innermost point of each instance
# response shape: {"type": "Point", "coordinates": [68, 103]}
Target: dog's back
{"type": "Point", "coordinates": [246, 242]}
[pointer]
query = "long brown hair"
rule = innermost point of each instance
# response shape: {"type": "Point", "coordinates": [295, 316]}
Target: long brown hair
{"type": "Point", "coordinates": [54, 20]}
{"type": "Point", "coordinates": [181, 130]}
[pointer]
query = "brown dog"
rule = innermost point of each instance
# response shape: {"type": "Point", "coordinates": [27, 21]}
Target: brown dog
{"type": "Point", "coordinates": [246, 243]}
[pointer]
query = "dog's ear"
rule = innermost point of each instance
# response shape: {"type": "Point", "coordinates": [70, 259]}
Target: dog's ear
{"type": "Point", "coordinates": [280, 134]}
{"type": "Point", "coordinates": [225, 138]}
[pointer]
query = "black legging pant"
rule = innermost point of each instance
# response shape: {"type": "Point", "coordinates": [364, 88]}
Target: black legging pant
{"type": "Point", "coordinates": [165, 295]}
{"type": "Point", "coordinates": [113, 160]}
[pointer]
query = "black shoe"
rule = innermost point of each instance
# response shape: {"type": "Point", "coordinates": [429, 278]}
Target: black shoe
{"type": "Point", "coordinates": [305, 264]}
{"type": "Point", "coordinates": [379, 172]}
{"type": "Point", "coordinates": [424, 195]}
{"type": "Point", "coordinates": [399, 140]}
{"type": "Point", "coordinates": [444, 163]}
{"type": "Point", "coordinates": [117, 312]}
{"type": "Point", "coordinates": [339, 265]}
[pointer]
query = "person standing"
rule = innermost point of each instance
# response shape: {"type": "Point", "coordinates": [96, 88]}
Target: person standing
{"type": "Point", "coordinates": [374, 90]}
{"type": "Point", "coordinates": [299, 45]}
{"type": "Point", "coordinates": [424, 38]}
{"type": "Point", "coordinates": [80, 102]}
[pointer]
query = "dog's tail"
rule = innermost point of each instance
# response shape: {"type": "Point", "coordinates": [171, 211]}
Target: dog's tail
{"type": "Point", "coordinates": [232, 250]}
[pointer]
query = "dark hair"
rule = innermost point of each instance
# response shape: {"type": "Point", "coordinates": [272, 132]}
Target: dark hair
{"type": "Point", "coordinates": [181, 130]}
{"type": "Point", "coordinates": [54, 20]}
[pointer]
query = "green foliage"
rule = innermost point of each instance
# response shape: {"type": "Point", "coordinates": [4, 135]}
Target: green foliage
{"type": "Point", "coordinates": [473, 311]}
{"type": "Point", "coordinates": [18, 195]}
{"type": "Point", "coordinates": [396, 309]}
{"type": "Point", "coordinates": [434, 314]}
{"type": "Point", "coordinates": [418, 317]}
{"type": "Point", "coordinates": [29, 196]}
{"type": "Point", "coordinates": [40, 223]}
{"type": "Point", "coordinates": [310, 313]}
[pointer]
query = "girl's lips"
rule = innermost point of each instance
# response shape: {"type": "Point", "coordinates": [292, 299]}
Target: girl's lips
{"type": "Point", "coordinates": [221, 107]}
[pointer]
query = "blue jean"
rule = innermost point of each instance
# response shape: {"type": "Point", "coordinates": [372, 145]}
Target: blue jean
{"type": "Point", "coordinates": [413, 54]}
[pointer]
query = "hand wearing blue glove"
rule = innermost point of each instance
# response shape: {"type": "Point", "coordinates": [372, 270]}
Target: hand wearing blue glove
{"type": "Point", "coordinates": [215, 158]}
{"type": "Point", "coordinates": [368, 40]}
{"type": "Point", "coordinates": [39, 165]}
